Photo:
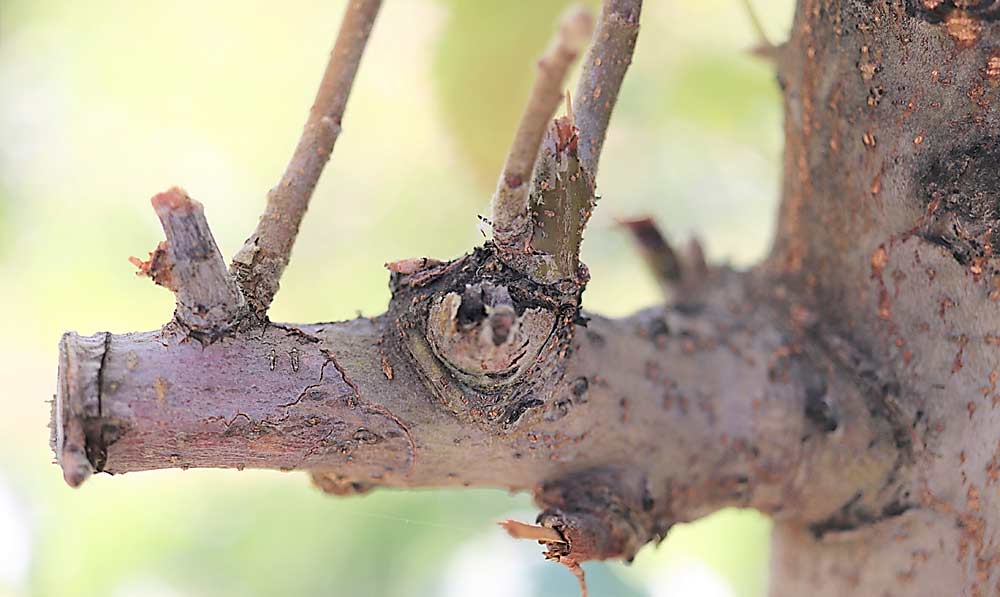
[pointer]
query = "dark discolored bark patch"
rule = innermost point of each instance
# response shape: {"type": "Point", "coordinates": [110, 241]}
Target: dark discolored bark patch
{"type": "Point", "coordinates": [854, 515]}
{"type": "Point", "coordinates": [961, 194]}
{"type": "Point", "coordinates": [819, 410]}
{"type": "Point", "coordinates": [938, 11]}
{"type": "Point", "coordinates": [516, 411]}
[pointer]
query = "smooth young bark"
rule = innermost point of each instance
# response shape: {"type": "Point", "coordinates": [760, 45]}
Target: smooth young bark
{"type": "Point", "coordinates": [846, 386]}
{"type": "Point", "coordinates": [603, 72]}
{"type": "Point", "coordinates": [259, 264]}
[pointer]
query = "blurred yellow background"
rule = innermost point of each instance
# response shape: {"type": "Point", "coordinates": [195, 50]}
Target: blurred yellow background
{"type": "Point", "coordinates": [104, 103]}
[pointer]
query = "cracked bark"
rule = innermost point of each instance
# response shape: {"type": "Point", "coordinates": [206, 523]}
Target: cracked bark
{"type": "Point", "coordinates": [846, 386]}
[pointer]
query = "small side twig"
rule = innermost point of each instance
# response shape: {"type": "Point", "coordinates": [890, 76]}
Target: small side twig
{"type": "Point", "coordinates": [603, 73]}
{"type": "Point", "coordinates": [659, 256]}
{"type": "Point", "coordinates": [259, 264]}
{"type": "Point", "coordinates": [680, 274]}
{"type": "Point", "coordinates": [765, 48]}
{"type": "Point", "coordinates": [189, 263]}
{"type": "Point", "coordinates": [521, 530]}
{"type": "Point", "coordinates": [511, 222]}
{"type": "Point", "coordinates": [763, 42]}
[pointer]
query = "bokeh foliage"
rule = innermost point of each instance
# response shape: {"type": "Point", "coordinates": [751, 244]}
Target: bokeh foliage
{"type": "Point", "coordinates": [483, 68]}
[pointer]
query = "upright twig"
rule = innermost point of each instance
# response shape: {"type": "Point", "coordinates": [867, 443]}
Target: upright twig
{"type": "Point", "coordinates": [763, 41]}
{"type": "Point", "coordinates": [511, 222]}
{"type": "Point", "coordinates": [603, 72]}
{"type": "Point", "coordinates": [764, 48]}
{"type": "Point", "coordinates": [259, 264]}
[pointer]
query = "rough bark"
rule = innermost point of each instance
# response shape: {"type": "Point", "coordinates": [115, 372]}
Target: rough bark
{"type": "Point", "coordinates": [887, 223]}
{"type": "Point", "coordinates": [357, 403]}
{"type": "Point", "coordinates": [846, 386]}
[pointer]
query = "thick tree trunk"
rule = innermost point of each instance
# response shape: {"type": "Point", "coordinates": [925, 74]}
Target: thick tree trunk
{"type": "Point", "coordinates": [846, 386]}
{"type": "Point", "coordinates": [887, 229]}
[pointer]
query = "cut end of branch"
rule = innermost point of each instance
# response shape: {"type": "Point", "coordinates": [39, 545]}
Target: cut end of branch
{"type": "Point", "coordinates": [173, 200]}
{"type": "Point", "coordinates": [188, 262]}
{"type": "Point", "coordinates": [511, 222]}
{"type": "Point", "coordinates": [75, 439]}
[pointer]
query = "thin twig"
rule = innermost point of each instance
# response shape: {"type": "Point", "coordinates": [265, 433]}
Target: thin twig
{"type": "Point", "coordinates": [259, 264]}
{"type": "Point", "coordinates": [577, 570]}
{"type": "Point", "coordinates": [603, 73]}
{"type": "Point", "coordinates": [758, 27]}
{"type": "Point", "coordinates": [510, 203]}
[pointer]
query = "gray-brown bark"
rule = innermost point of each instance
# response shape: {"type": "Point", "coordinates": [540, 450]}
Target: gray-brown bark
{"type": "Point", "coordinates": [846, 386]}
{"type": "Point", "coordinates": [348, 401]}
{"type": "Point", "coordinates": [259, 264]}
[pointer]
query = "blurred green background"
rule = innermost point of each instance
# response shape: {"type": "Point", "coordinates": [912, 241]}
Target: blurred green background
{"type": "Point", "coordinates": [104, 103]}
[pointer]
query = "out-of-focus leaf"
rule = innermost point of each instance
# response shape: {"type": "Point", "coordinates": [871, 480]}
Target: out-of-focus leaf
{"type": "Point", "coordinates": [5, 222]}
{"type": "Point", "coordinates": [483, 69]}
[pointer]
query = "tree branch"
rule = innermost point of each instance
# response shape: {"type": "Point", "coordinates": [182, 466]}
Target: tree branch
{"type": "Point", "coordinates": [511, 221]}
{"type": "Point", "coordinates": [682, 274]}
{"type": "Point", "coordinates": [776, 425]}
{"type": "Point", "coordinates": [603, 73]}
{"type": "Point", "coordinates": [259, 264]}
{"type": "Point", "coordinates": [209, 301]}
{"type": "Point", "coordinates": [562, 194]}
{"type": "Point", "coordinates": [661, 259]}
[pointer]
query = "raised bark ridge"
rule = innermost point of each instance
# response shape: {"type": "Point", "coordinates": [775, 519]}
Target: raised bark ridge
{"type": "Point", "coordinates": [846, 386]}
